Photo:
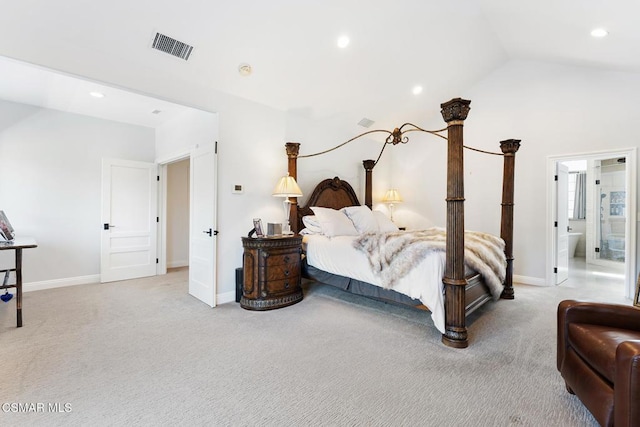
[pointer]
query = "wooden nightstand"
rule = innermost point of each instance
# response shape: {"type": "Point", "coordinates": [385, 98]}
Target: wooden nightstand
{"type": "Point", "coordinates": [271, 270]}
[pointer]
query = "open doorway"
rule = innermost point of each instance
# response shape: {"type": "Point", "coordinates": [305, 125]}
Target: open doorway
{"type": "Point", "coordinates": [611, 212]}
{"type": "Point", "coordinates": [599, 226]}
{"type": "Point", "coordinates": [177, 215]}
{"type": "Point", "coordinates": [194, 209]}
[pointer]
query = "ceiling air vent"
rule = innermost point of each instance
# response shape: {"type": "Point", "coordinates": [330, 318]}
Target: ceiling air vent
{"type": "Point", "coordinates": [171, 46]}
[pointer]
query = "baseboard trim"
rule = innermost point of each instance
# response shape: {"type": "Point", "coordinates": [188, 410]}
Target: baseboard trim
{"type": "Point", "coordinates": [176, 264]}
{"type": "Point", "coordinates": [526, 280]}
{"type": "Point", "coordinates": [226, 297]}
{"type": "Point", "coordinates": [60, 283]}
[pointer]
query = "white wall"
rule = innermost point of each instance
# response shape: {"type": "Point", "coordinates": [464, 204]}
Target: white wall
{"type": "Point", "coordinates": [555, 110]}
{"type": "Point", "coordinates": [181, 134]}
{"type": "Point", "coordinates": [50, 184]}
{"type": "Point", "coordinates": [250, 153]}
{"type": "Point", "coordinates": [178, 214]}
{"type": "Point", "coordinates": [346, 162]}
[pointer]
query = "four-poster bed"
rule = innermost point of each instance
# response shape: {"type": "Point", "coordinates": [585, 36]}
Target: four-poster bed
{"type": "Point", "coordinates": [462, 294]}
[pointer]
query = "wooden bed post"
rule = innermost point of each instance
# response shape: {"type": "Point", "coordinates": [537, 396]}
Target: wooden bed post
{"type": "Point", "coordinates": [368, 186]}
{"type": "Point", "coordinates": [293, 148]}
{"type": "Point", "coordinates": [509, 147]}
{"type": "Point", "coordinates": [454, 113]}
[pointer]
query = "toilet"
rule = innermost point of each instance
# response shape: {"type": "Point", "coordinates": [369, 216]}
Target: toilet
{"type": "Point", "coordinates": [573, 243]}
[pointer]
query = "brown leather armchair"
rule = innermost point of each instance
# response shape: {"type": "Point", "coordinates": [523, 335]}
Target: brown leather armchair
{"type": "Point", "coordinates": [599, 359]}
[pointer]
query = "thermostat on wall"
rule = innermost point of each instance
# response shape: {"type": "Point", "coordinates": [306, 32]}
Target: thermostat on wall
{"type": "Point", "coordinates": [237, 189]}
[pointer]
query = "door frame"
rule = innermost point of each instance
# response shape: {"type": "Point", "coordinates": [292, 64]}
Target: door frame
{"type": "Point", "coordinates": [560, 229]}
{"type": "Point", "coordinates": [630, 221]}
{"type": "Point", "coordinates": [163, 163]}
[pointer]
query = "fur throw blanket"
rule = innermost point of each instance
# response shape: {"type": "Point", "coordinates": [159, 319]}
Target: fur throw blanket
{"type": "Point", "coordinates": [393, 255]}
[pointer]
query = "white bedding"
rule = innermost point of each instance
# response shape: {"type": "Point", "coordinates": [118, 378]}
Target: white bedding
{"type": "Point", "coordinates": [338, 256]}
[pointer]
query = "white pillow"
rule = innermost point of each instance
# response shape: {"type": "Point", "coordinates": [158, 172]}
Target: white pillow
{"type": "Point", "coordinates": [362, 218]}
{"type": "Point", "coordinates": [334, 223]}
{"type": "Point", "coordinates": [384, 224]}
{"type": "Point", "coordinates": [311, 224]}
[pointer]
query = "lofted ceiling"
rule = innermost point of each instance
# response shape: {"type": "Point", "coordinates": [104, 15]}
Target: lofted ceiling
{"type": "Point", "coordinates": [445, 47]}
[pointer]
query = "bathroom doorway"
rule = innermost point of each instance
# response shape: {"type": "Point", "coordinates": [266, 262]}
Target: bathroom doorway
{"type": "Point", "coordinates": [610, 235]}
{"type": "Point", "coordinates": [601, 187]}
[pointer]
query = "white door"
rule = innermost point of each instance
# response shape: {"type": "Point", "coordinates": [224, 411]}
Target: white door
{"type": "Point", "coordinates": [202, 241]}
{"type": "Point", "coordinates": [562, 223]}
{"type": "Point", "coordinates": [129, 215]}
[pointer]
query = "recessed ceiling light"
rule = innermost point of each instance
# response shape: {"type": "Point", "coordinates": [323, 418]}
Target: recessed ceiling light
{"type": "Point", "coordinates": [599, 32]}
{"type": "Point", "coordinates": [97, 94]}
{"type": "Point", "coordinates": [417, 90]}
{"type": "Point", "coordinates": [343, 41]}
{"type": "Point", "coordinates": [245, 69]}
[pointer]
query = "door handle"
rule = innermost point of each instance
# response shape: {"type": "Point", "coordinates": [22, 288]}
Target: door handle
{"type": "Point", "coordinates": [107, 226]}
{"type": "Point", "coordinates": [210, 232]}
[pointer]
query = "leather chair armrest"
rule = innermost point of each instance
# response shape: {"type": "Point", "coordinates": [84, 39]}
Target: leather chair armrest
{"type": "Point", "coordinates": [613, 315]}
{"type": "Point", "coordinates": [627, 384]}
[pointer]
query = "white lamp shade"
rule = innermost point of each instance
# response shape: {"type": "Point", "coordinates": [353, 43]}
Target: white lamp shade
{"type": "Point", "coordinates": [392, 196]}
{"type": "Point", "coordinates": [287, 187]}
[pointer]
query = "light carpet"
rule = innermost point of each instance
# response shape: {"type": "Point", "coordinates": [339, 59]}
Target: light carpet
{"type": "Point", "coordinates": [144, 352]}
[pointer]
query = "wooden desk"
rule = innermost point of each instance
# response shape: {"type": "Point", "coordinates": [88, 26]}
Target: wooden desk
{"type": "Point", "coordinates": [17, 245]}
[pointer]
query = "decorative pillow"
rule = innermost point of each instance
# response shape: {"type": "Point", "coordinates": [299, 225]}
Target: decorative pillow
{"type": "Point", "coordinates": [311, 224]}
{"type": "Point", "coordinates": [334, 223]}
{"type": "Point", "coordinates": [384, 224]}
{"type": "Point", "coordinates": [362, 218]}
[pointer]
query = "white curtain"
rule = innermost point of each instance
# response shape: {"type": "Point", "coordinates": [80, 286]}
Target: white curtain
{"type": "Point", "coordinates": [580, 201]}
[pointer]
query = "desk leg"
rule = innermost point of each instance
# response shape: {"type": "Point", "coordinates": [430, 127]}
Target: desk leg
{"type": "Point", "coordinates": [19, 286]}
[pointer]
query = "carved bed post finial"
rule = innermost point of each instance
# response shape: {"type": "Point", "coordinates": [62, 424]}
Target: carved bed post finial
{"type": "Point", "coordinates": [368, 178]}
{"type": "Point", "coordinates": [509, 147]}
{"type": "Point", "coordinates": [293, 148]}
{"type": "Point", "coordinates": [454, 113]}
{"type": "Point", "coordinates": [455, 110]}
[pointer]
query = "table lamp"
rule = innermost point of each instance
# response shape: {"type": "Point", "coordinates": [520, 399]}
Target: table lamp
{"type": "Point", "coordinates": [287, 187]}
{"type": "Point", "coordinates": [392, 197]}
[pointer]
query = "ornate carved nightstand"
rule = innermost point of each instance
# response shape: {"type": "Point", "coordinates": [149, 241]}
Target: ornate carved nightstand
{"type": "Point", "coordinates": [271, 270]}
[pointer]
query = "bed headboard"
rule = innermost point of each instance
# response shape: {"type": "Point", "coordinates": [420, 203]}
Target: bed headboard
{"type": "Point", "coordinates": [329, 193]}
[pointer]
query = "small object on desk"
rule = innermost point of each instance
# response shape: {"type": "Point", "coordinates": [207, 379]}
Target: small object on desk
{"type": "Point", "coordinates": [257, 227]}
{"type": "Point", "coordinates": [6, 230]}
{"type": "Point", "coordinates": [274, 229]}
